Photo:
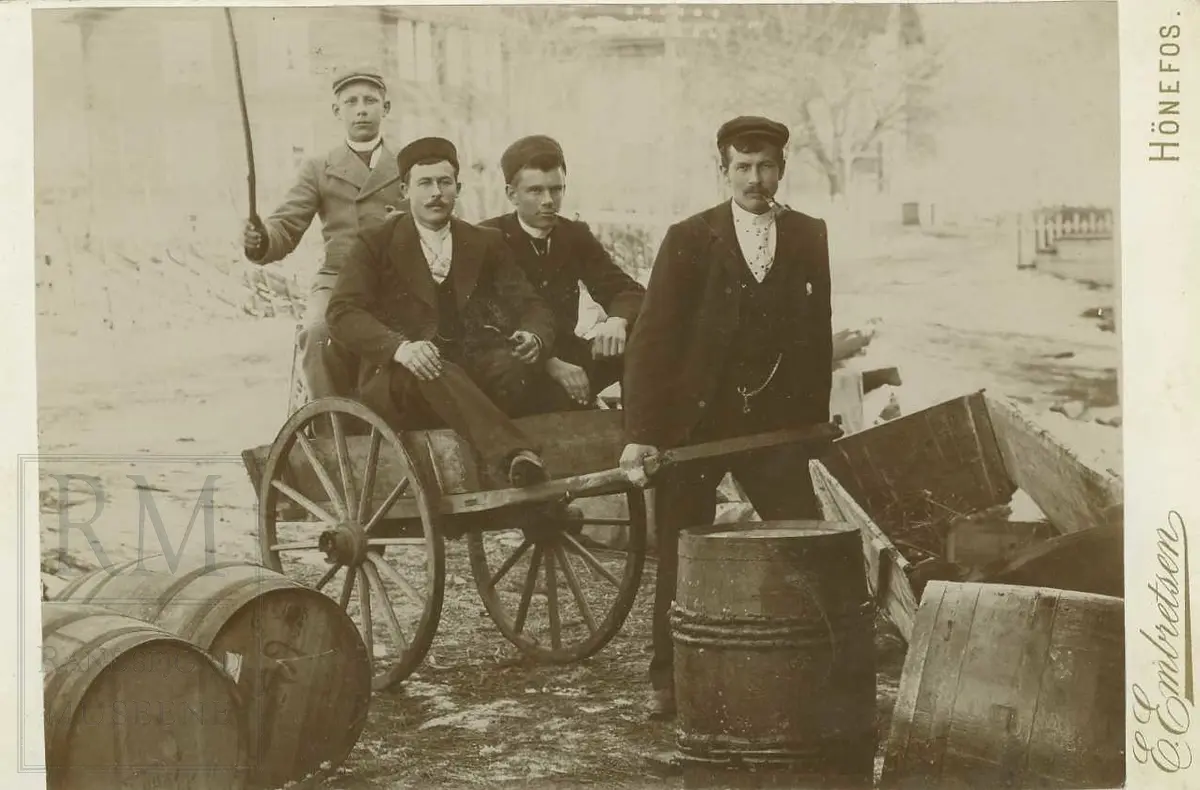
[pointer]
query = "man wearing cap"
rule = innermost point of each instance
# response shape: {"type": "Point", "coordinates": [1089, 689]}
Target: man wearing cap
{"type": "Point", "coordinates": [557, 254]}
{"type": "Point", "coordinates": [447, 327]}
{"type": "Point", "coordinates": [354, 185]}
{"type": "Point", "coordinates": [734, 338]}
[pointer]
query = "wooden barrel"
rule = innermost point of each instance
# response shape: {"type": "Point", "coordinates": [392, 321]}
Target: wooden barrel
{"type": "Point", "coordinates": [131, 705]}
{"type": "Point", "coordinates": [774, 648]}
{"type": "Point", "coordinates": [1007, 686]}
{"type": "Point", "coordinates": [299, 660]}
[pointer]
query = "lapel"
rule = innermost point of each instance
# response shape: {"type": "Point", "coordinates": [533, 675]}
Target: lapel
{"type": "Point", "coordinates": [408, 257]}
{"type": "Point", "coordinates": [466, 259]}
{"type": "Point", "coordinates": [344, 164]}
{"type": "Point", "coordinates": [789, 242]}
{"type": "Point", "coordinates": [520, 243]}
{"type": "Point", "coordinates": [386, 173]}
{"type": "Point", "coordinates": [726, 248]}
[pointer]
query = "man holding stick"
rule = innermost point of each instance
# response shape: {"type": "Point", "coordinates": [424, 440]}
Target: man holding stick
{"type": "Point", "coordinates": [734, 338]}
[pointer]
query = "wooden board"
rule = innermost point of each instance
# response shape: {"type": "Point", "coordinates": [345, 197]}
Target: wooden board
{"type": "Point", "coordinates": [887, 570]}
{"type": "Point", "coordinates": [1087, 561]}
{"type": "Point", "coordinates": [846, 399]}
{"type": "Point", "coordinates": [1073, 495]}
{"type": "Point", "coordinates": [922, 467]}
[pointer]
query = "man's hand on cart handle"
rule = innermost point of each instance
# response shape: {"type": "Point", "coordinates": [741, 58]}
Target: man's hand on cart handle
{"type": "Point", "coordinates": [640, 462]}
{"type": "Point", "coordinates": [634, 461]}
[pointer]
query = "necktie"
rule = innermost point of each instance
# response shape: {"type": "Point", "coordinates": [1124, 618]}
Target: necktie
{"type": "Point", "coordinates": [439, 264]}
{"type": "Point", "coordinates": [762, 258]}
{"type": "Point", "coordinates": [540, 246]}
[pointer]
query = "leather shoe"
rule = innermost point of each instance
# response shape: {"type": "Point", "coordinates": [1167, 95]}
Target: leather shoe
{"type": "Point", "coordinates": [526, 469]}
{"type": "Point", "coordinates": [662, 705]}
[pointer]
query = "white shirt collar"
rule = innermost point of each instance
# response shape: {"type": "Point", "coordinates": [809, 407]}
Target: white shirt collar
{"type": "Point", "coordinates": [740, 215]}
{"type": "Point", "coordinates": [756, 235]}
{"type": "Point", "coordinates": [537, 233]}
{"type": "Point", "coordinates": [438, 248]}
{"type": "Point", "coordinates": [374, 145]}
{"type": "Point", "coordinates": [366, 145]}
{"type": "Point", "coordinates": [433, 237]}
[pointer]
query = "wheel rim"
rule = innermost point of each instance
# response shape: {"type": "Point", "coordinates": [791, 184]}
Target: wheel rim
{"type": "Point", "coordinates": [554, 597]}
{"type": "Point", "coordinates": [334, 473]}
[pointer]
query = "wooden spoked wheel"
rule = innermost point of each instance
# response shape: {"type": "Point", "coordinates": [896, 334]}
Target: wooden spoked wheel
{"type": "Point", "coordinates": [333, 481]}
{"type": "Point", "coordinates": [552, 594]}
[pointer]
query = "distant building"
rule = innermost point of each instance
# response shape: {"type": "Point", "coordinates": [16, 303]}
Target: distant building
{"type": "Point", "coordinates": [138, 107]}
{"type": "Point", "coordinates": [621, 83]}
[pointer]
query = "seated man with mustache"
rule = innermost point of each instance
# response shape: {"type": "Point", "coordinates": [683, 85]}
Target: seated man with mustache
{"type": "Point", "coordinates": [447, 326]}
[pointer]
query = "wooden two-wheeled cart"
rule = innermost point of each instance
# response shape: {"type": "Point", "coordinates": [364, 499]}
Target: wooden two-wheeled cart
{"type": "Point", "coordinates": [341, 494]}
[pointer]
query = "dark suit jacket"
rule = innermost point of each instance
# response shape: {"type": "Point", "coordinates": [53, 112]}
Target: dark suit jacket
{"type": "Point", "coordinates": [575, 256]}
{"type": "Point", "coordinates": [344, 192]}
{"type": "Point", "coordinates": [385, 293]}
{"type": "Point", "coordinates": [680, 344]}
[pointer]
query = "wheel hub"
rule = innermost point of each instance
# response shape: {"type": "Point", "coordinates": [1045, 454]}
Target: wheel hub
{"type": "Point", "coordinates": [345, 544]}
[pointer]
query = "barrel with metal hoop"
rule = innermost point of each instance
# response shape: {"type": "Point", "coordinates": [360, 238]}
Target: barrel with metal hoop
{"type": "Point", "coordinates": [128, 704]}
{"type": "Point", "coordinates": [774, 649]}
{"type": "Point", "coordinates": [298, 660]}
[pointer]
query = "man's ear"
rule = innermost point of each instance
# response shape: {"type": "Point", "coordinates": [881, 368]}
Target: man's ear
{"type": "Point", "coordinates": [337, 111]}
{"type": "Point", "coordinates": [404, 190]}
{"type": "Point", "coordinates": [387, 106]}
{"type": "Point", "coordinates": [511, 192]}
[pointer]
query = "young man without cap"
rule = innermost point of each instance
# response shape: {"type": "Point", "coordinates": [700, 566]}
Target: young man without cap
{"type": "Point", "coordinates": [557, 254]}
{"type": "Point", "coordinates": [734, 338]}
{"type": "Point", "coordinates": [447, 327]}
{"type": "Point", "coordinates": [354, 185]}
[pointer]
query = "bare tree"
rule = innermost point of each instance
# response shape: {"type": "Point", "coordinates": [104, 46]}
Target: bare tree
{"type": "Point", "coordinates": [843, 77]}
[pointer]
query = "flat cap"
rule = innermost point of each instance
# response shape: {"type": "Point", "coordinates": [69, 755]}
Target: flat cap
{"type": "Point", "coordinates": [752, 124]}
{"type": "Point", "coordinates": [525, 150]}
{"type": "Point", "coordinates": [424, 150]}
{"type": "Point", "coordinates": [344, 77]}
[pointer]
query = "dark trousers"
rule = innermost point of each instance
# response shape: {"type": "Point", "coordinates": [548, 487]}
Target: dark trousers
{"type": "Point", "coordinates": [547, 395]}
{"type": "Point", "coordinates": [778, 484]}
{"type": "Point", "coordinates": [474, 396]}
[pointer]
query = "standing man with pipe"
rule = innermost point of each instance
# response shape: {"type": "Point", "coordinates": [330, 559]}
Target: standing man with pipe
{"type": "Point", "coordinates": [734, 338]}
{"type": "Point", "coordinates": [353, 186]}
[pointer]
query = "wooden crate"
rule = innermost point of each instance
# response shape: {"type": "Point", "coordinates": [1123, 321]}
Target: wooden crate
{"type": "Point", "coordinates": [903, 482]}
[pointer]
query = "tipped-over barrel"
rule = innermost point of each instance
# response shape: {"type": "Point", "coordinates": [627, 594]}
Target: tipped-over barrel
{"type": "Point", "coordinates": [131, 705]}
{"type": "Point", "coordinates": [298, 659]}
{"type": "Point", "coordinates": [1010, 687]}
{"type": "Point", "coordinates": [774, 648]}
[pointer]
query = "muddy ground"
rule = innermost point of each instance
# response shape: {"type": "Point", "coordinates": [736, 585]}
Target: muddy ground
{"type": "Point", "coordinates": [177, 405]}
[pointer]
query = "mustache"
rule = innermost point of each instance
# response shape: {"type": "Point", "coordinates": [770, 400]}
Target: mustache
{"type": "Point", "coordinates": [435, 203]}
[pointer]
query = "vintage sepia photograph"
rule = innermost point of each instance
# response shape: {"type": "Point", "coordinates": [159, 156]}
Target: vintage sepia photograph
{"type": "Point", "coordinates": [611, 395]}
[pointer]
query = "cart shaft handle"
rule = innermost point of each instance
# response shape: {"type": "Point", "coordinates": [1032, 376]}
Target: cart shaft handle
{"type": "Point", "coordinates": [815, 438]}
